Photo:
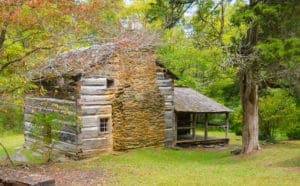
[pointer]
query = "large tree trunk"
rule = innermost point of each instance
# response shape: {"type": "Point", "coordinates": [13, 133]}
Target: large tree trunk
{"type": "Point", "coordinates": [249, 97]}
{"type": "Point", "coordinates": [249, 91]}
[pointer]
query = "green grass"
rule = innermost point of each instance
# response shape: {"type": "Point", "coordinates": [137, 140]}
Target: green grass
{"type": "Point", "coordinates": [11, 141]}
{"type": "Point", "coordinates": [277, 164]}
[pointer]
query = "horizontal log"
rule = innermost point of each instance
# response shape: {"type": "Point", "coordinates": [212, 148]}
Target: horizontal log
{"type": "Point", "coordinates": [88, 153]}
{"type": "Point", "coordinates": [65, 147]}
{"type": "Point", "coordinates": [71, 122]}
{"type": "Point", "coordinates": [169, 134]}
{"type": "Point", "coordinates": [91, 121]}
{"type": "Point", "coordinates": [166, 90]}
{"type": "Point", "coordinates": [95, 100]}
{"type": "Point", "coordinates": [94, 143]}
{"type": "Point", "coordinates": [27, 126]}
{"type": "Point", "coordinates": [168, 98]}
{"type": "Point", "coordinates": [169, 107]}
{"type": "Point", "coordinates": [93, 90]}
{"type": "Point", "coordinates": [31, 110]}
{"type": "Point", "coordinates": [51, 103]}
{"type": "Point", "coordinates": [169, 123]}
{"type": "Point", "coordinates": [67, 137]}
{"type": "Point", "coordinates": [96, 81]}
{"type": "Point", "coordinates": [92, 132]}
{"type": "Point", "coordinates": [165, 83]}
{"type": "Point", "coordinates": [96, 109]}
{"type": "Point", "coordinates": [169, 103]}
{"type": "Point", "coordinates": [160, 75]}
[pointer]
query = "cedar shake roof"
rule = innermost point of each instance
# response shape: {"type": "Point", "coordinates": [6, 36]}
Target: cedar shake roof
{"type": "Point", "coordinates": [83, 60]}
{"type": "Point", "coordinates": [189, 100]}
{"type": "Point", "coordinates": [74, 62]}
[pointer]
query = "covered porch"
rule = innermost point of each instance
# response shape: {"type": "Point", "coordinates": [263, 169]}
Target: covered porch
{"type": "Point", "coordinates": [193, 112]}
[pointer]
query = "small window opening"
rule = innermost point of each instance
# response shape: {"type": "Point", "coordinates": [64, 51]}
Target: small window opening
{"type": "Point", "coordinates": [110, 83]}
{"type": "Point", "coordinates": [103, 125]}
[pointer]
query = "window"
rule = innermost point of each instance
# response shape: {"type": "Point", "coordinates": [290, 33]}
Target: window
{"type": "Point", "coordinates": [103, 125]}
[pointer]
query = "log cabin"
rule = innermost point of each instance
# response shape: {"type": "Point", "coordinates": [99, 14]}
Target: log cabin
{"type": "Point", "coordinates": [121, 98]}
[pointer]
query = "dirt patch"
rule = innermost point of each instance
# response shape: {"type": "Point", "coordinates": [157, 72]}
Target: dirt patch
{"type": "Point", "coordinates": [63, 176]}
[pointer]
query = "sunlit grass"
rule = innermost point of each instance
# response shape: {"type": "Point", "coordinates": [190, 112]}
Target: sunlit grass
{"type": "Point", "coordinates": [277, 164]}
{"type": "Point", "coordinates": [11, 141]}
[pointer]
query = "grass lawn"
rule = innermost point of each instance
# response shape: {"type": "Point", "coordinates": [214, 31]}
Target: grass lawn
{"type": "Point", "coordinates": [11, 141]}
{"type": "Point", "coordinates": [277, 164]}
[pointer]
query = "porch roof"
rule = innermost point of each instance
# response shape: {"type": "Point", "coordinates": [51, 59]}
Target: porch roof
{"type": "Point", "coordinates": [189, 100]}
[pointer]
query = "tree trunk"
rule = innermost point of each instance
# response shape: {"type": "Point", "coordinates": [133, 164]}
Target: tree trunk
{"type": "Point", "coordinates": [249, 97]}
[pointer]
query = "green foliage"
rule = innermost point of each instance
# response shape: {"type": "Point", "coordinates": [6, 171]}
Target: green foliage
{"type": "Point", "coordinates": [11, 118]}
{"type": "Point", "coordinates": [294, 133]}
{"type": "Point", "coordinates": [277, 111]}
{"type": "Point", "coordinates": [46, 126]}
{"type": "Point", "coordinates": [237, 121]}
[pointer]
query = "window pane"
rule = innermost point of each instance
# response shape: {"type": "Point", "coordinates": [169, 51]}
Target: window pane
{"type": "Point", "coordinates": [103, 124]}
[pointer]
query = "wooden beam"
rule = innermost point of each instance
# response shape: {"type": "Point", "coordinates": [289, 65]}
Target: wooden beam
{"type": "Point", "coordinates": [194, 126]}
{"type": "Point", "coordinates": [227, 125]}
{"type": "Point", "coordinates": [176, 128]}
{"type": "Point", "coordinates": [206, 126]}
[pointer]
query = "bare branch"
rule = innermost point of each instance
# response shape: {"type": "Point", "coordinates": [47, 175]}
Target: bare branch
{"type": "Point", "coordinates": [5, 65]}
{"type": "Point", "coordinates": [6, 152]}
{"type": "Point", "coordinates": [3, 33]}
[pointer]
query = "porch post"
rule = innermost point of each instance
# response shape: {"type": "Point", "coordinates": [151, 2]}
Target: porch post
{"type": "Point", "coordinates": [227, 124]}
{"type": "Point", "coordinates": [206, 126]}
{"type": "Point", "coordinates": [194, 126]}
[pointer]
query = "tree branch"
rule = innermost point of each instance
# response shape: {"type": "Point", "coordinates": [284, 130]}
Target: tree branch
{"type": "Point", "coordinates": [6, 152]}
{"type": "Point", "coordinates": [5, 65]}
{"type": "Point", "coordinates": [3, 33]}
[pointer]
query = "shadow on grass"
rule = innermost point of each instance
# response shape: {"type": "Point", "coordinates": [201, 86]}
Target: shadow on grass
{"type": "Point", "coordinates": [293, 162]}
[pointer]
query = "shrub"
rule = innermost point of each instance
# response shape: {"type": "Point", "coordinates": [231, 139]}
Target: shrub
{"type": "Point", "coordinates": [294, 133]}
{"type": "Point", "coordinates": [277, 111]}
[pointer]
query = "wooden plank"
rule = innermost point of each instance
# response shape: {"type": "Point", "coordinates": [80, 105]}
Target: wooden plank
{"type": "Point", "coordinates": [166, 90]}
{"type": "Point", "coordinates": [27, 126]}
{"type": "Point", "coordinates": [67, 137]}
{"type": "Point", "coordinates": [91, 121]}
{"type": "Point", "coordinates": [164, 83]}
{"type": "Point", "coordinates": [95, 143]}
{"type": "Point", "coordinates": [31, 110]}
{"type": "Point", "coordinates": [65, 147]}
{"type": "Point", "coordinates": [53, 100]}
{"type": "Point", "coordinates": [96, 109]}
{"type": "Point", "coordinates": [160, 75]}
{"type": "Point", "coordinates": [176, 127]}
{"type": "Point", "coordinates": [95, 99]}
{"type": "Point", "coordinates": [23, 178]}
{"type": "Point", "coordinates": [51, 103]}
{"type": "Point", "coordinates": [92, 132]}
{"type": "Point", "coordinates": [227, 125]}
{"type": "Point", "coordinates": [90, 152]}
{"type": "Point", "coordinates": [194, 126]}
{"type": "Point", "coordinates": [168, 98]}
{"type": "Point", "coordinates": [94, 90]}
{"type": "Point", "coordinates": [169, 134]}
{"type": "Point", "coordinates": [206, 126]}
{"type": "Point", "coordinates": [187, 127]}
{"type": "Point", "coordinates": [96, 81]}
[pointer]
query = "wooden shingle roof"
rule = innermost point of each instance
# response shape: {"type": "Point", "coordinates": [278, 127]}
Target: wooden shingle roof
{"type": "Point", "coordinates": [73, 62]}
{"type": "Point", "coordinates": [189, 100]}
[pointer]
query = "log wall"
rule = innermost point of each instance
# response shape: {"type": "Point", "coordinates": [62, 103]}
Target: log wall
{"type": "Point", "coordinates": [166, 88]}
{"type": "Point", "coordinates": [94, 103]}
{"type": "Point", "coordinates": [67, 136]}
{"type": "Point", "coordinates": [138, 105]}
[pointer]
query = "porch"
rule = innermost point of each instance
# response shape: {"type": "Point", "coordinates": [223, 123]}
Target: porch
{"type": "Point", "coordinates": [195, 111]}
